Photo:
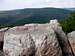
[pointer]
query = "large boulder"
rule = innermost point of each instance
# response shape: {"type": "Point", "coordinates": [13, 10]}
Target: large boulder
{"type": "Point", "coordinates": [37, 40]}
{"type": "Point", "coordinates": [71, 37]}
{"type": "Point", "coordinates": [2, 31]}
{"type": "Point", "coordinates": [31, 40]}
{"type": "Point", "coordinates": [62, 38]}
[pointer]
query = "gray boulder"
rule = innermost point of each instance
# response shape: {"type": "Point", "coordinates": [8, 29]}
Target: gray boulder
{"type": "Point", "coordinates": [71, 37]}
{"type": "Point", "coordinates": [2, 31]}
{"type": "Point", "coordinates": [62, 38]}
{"type": "Point", "coordinates": [31, 40]}
{"type": "Point", "coordinates": [37, 40]}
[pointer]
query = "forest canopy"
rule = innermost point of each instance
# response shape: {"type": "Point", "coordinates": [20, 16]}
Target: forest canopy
{"type": "Point", "coordinates": [68, 24]}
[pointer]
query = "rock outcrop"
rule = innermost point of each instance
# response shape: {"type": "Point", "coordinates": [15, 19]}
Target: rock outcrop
{"type": "Point", "coordinates": [31, 40]}
{"type": "Point", "coordinates": [37, 40]}
{"type": "Point", "coordinates": [71, 37]}
{"type": "Point", "coordinates": [62, 38]}
{"type": "Point", "coordinates": [2, 31]}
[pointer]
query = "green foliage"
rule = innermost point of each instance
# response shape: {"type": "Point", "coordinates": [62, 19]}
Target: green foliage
{"type": "Point", "coordinates": [26, 16]}
{"type": "Point", "coordinates": [6, 25]}
{"type": "Point", "coordinates": [32, 15]}
{"type": "Point", "coordinates": [68, 24]}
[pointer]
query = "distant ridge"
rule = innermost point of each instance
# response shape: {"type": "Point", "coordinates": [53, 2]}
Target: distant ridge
{"type": "Point", "coordinates": [71, 9]}
{"type": "Point", "coordinates": [32, 15]}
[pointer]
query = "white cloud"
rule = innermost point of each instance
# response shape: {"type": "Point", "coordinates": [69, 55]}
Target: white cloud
{"type": "Point", "coordinates": [63, 3]}
{"type": "Point", "coordinates": [15, 4]}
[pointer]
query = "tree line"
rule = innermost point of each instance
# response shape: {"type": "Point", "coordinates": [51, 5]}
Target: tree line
{"type": "Point", "coordinates": [68, 24]}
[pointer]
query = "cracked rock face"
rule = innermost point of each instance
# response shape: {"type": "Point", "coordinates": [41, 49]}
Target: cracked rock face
{"type": "Point", "coordinates": [38, 40]}
{"type": "Point", "coordinates": [71, 37]}
{"type": "Point", "coordinates": [31, 40]}
{"type": "Point", "coordinates": [62, 38]}
{"type": "Point", "coordinates": [2, 32]}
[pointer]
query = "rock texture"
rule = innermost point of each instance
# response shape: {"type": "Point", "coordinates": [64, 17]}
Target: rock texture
{"type": "Point", "coordinates": [1, 53]}
{"type": "Point", "coordinates": [71, 37]}
{"type": "Point", "coordinates": [31, 40]}
{"type": "Point", "coordinates": [2, 31]}
{"type": "Point", "coordinates": [37, 40]}
{"type": "Point", "coordinates": [62, 38]}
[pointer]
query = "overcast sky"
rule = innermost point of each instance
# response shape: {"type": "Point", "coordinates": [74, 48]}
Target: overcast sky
{"type": "Point", "coordinates": [19, 4]}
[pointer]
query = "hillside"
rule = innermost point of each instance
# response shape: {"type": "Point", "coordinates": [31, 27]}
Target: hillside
{"type": "Point", "coordinates": [71, 9]}
{"type": "Point", "coordinates": [32, 15]}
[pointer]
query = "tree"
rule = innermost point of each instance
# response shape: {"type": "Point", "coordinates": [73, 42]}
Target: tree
{"type": "Point", "coordinates": [68, 24]}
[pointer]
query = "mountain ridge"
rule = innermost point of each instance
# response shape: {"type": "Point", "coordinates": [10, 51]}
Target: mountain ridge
{"type": "Point", "coordinates": [32, 15]}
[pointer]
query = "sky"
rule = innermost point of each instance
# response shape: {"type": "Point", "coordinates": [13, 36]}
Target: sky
{"type": "Point", "coordinates": [20, 4]}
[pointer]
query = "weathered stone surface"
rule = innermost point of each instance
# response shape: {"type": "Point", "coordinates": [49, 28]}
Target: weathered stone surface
{"type": "Point", "coordinates": [71, 37]}
{"type": "Point", "coordinates": [62, 38]}
{"type": "Point", "coordinates": [2, 31]}
{"type": "Point", "coordinates": [1, 53]}
{"type": "Point", "coordinates": [31, 40]}
{"type": "Point", "coordinates": [38, 40]}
